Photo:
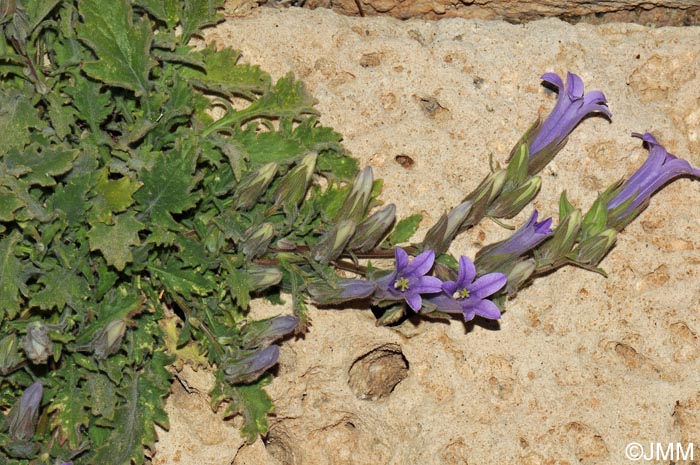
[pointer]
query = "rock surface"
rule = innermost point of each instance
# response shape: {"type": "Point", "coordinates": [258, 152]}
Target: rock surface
{"type": "Point", "coordinates": [579, 365]}
{"type": "Point", "coordinates": [519, 11]}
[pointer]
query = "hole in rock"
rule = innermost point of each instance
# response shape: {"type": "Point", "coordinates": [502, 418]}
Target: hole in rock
{"type": "Point", "coordinates": [374, 375]}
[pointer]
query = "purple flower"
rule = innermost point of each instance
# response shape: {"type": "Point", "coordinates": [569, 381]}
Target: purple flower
{"type": "Point", "coordinates": [572, 106]}
{"type": "Point", "coordinates": [250, 368]}
{"type": "Point", "coordinates": [408, 280]}
{"type": "Point", "coordinates": [22, 419]}
{"type": "Point", "coordinates": [658, 169]}
{"type": "Point", "coordinates": [469, 296]}
{"type": "Point", "coordinates": [524, 239]}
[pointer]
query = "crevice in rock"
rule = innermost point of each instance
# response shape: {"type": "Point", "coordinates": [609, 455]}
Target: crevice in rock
{"type": "Point", "coordinates": [374, 375]}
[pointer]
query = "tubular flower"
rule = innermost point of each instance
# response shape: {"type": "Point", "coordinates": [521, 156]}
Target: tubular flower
{"type": "Point", "coordinates": [408, 280]}
{"type": "Point", "coordinates": [469, 296]}
{"type": "Point", "coordinates": [524, 239]}
{"type": "Point", "coordinates": [633, 195]}
{"type": "Point", "coordinates": [572, 106]}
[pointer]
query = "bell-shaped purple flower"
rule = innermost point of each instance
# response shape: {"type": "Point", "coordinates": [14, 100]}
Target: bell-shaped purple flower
{"type": "Point", "coordinates": [572, 106]}
{"type": "Point", "coordinates": [633, 195]}
{"type": "Point", "coordinates": [408, 281]}
{"type": "Point", "coordinates": [469, 296]}
{"type": "Point", "coordinates": [524, 239]}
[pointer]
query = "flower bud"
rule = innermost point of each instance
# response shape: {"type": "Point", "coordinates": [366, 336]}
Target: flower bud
{"type": "Point", "coordinates": [257, 239]}
{"type": "Point", "coordinates": [21, 422]}
{"type": "Point", "coordinates": [516, 173]}
{"type": "Point", "coordinates": [36, 343]}
{"type": "Point", "coordinates": [293, 186]}
{"type": "Point", "coordinates": [250, 368]}
{"type": "Point", "coordinates": [518, 275]}
{"type": "Point", "coordinates": [262, 333]}
{"type": "Point", "coordinates": [332, 243]}
{"type": "Point", "coordinates": [440, 236]}
{"type": "Point", "coordinates": [253, 186]}
{"type": "Point", "coordinates": [370, 233]}
{"type": "Point", "coordinates": [592, 250]}
{"type": "Point", "coordinates": [510, 203]}
{"type": "Point", "coordinates": [108, 340]}
{"type": "Point", "coordinates": [357, 201]}
{"type": "Point", "coordinates": [262, 277]}
{"type": "Point", "coordinates": [344, 290]}
{"type": "Point", "coordinates": [563, 240]}
{"type": "Point", "coordinates": [9, 354]}
{"type": "Point", "coordinates": [482, 197]}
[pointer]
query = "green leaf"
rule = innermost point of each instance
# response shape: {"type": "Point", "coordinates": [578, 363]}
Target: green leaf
{"type": "Point", "coordinates": [60, 287]}
{"type": "Point", "coordinates": [42, 163]}
{"type": "Point", "coordinates": [265, 147]}
{"type": "Point", "coordinates": [17, 117]}
{"type": "Point", "coordinates": [10, 280]}
{"type": "Point", "coordinates": [167, 186]}
{"type": "Point", "coordinates": [197, 15]}
{"type": "Point", "coordinates": [69, 408]}
{"type": "Point", "coordinates": [71, 198]}
{"type": "Point", "coordinates": [238, 284]}
{"type": "Point", "coordinates": [250, 401]}
{"type": "Point", "coordinates": [190, 353]}
{"type": "Point", "coordinates": [111, 196]}
{"type": "Point", "coordinates": [9, 202]}
{"type": "Point", "coordinates": [62, 116]}
{"type": "Point", "coordinates": [92, 105]}
{"type": "Point", "coordinates": [405, 229]}
{"type": "Point", "coordinates": [167, 11]}
{"type": "Point", "coordinates": [288, 99]}
{"type": "Point", "coordinates": [122, 47]}
{"type": "Point", "coordinates": [142, 407]}
{"type": "Point", "coordinates": [103, 398]}
{"type": "Point", "coordinates": [115, 241]}
{"type": "Point", "coordinates": [37, 10]}
{"type": "Point", "coordinates": [182, 280]}
{"type": "Point", "coordinates": [222, 74]}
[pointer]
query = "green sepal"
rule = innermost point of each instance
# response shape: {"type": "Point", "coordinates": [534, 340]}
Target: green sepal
{"type": "Point", "coordinates": [595, 220]}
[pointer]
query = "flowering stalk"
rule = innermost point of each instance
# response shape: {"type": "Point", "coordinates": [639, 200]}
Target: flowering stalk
{"type": "Point", "coordinates": [505, 192]}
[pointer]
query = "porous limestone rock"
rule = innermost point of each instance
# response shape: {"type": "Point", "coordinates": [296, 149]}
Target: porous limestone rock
{"type": "Point", "coordinates": [658, 12]}
{"type": "Point", "coordinates": [579, 365]}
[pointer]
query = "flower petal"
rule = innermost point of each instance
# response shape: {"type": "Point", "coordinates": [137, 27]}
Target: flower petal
{"type": "Point", "coordinates": [445, 303]}
{"type": "Point", "coordinates": [421, 264]}
{"type": "Point", "coordinates": [414, 301]}
{"type": "Point", "coordinates": [488, 309]}
{"type": "Point", "coordinates": [554, 79]}
{"type": "Point", "coordinates": [467, 272]}
{"type": "Point", "coordinates": [401, 259]}
{"type": "Point", "coordinates": [574, 86]}
{"type": "Point", "coordinates": [487, 285]}
{"type": "Point", "coordinates": [426, 285]}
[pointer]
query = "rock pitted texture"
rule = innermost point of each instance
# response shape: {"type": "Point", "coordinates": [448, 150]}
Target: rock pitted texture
{"type": "Point", "coordinates": [580, 365]}
{"type": "Point", "coordinates": [520, 11]}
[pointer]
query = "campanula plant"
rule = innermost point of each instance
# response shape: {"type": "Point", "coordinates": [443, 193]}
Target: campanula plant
{"type": "Point", "coordinates": [135, 229]}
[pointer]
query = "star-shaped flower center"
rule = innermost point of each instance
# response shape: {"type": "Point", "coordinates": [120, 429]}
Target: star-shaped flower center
{"type": "Point", "coordinates": [401, 284]}
{"type": "Point", "coordinates": [461, 293]}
